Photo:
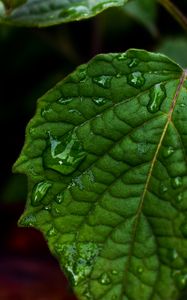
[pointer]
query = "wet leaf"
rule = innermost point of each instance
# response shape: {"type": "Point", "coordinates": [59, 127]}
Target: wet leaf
{"type": "Point", "coordinates": [105, 157]}
{"type": "Point", "coordinates": [49, 12]}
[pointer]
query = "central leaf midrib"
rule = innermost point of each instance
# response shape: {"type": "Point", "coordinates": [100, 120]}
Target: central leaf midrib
{"type": "Point", "coordinates": [139, 210]}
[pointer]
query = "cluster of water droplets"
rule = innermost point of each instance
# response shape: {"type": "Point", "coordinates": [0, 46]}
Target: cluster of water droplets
{"type": "Point", "coordinates": [77, 259]}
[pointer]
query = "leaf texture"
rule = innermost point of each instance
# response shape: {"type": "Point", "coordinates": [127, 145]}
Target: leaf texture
{"type": "Point", "coordinates": [105, 157]}
{"type": "Point", "coordinates": [51, 12]}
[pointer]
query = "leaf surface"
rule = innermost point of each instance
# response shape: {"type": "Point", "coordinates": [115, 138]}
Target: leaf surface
{"type": "Point", "coordinates": [49, 12]}
{"type": "Point", "coordinates": [105, 157]}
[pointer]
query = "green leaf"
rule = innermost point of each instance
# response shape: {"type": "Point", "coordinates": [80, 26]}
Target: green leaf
{"type": "Point", "coordinates": [105, 157]}
{"type": "Point", "coordinates": [145, 12]}
{"type": "Point", "coordinates": [175, 47]}
{"type": "Point", "coordinates": [49, 12]}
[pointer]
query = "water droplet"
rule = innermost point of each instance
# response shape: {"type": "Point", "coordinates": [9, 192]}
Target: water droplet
{"type": "Point", "coordinates": [48, 207]}
{"type": "Point", "coordinates": [136, 79]}
{"type": "Point", "coordinates": [163, 188]}
{"type": "Point", "coordinates": [133, 63]}
{"type": "Point", "coordinates": [184, 229]}
{"type": "Point", "coordinates": [122, 56]}
{"type": "Point", "coordinates": [82, 74]}
{"type": "Point", "coordinates": [177, 182]}
{"type": "Point", "coordinates": [45, 112]}
{"type": "Point", "coordinates": [75, 111]}
{"type": "Point", "coordinates": [140, 270]}
{"type": "Point", "coordinates": [103, 81]}
{"type": "Point", "coordinates": [173, 254]}
{"type": "Point", "coordinates": [118, 75]}
{"type": "Point", "coordinates": [39, 191]}
{"type": "Point", "coordinates": [114, 272]}
{"type": "Point", "coordinates": [52, 232]}
{"type": "Point", "coordinates": [65, 101]}
{"type": "Point", "coordinates": [157, 95]}
{"type": "Point", "coordinates": [99, 101]}
{"type": "Point", "coordinates": [104, 279]}
{"type": "Point", "coordinates": [179, 197]}
{"type": "Point", "coordinates": [28, 220]}
{"type": "Point", "coordinates": [64, 155]}
{"type": "Point", "coordinates": [180, 279]}
{"type": "Point", "coordinates": [59, 198]}
{"type": "Point", "coordinates": [168, 151]}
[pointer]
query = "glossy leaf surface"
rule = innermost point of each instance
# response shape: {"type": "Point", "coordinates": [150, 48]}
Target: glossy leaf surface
{"type": "Point", "coordinates": [51, 12]}
{"type": "Point", "coordinates": [105, 157]}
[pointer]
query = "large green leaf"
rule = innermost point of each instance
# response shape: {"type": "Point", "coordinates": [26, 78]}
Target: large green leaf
{"type": "Point", "coordinates": [51, 12]}
{"type": "Point", "coordinates": [105, 157]}
{"type": "Point", "coordinates": [145, 12]}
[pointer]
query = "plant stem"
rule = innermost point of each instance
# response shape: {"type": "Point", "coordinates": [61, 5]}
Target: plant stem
{"type": "Point", "coordinates": [175, 12]}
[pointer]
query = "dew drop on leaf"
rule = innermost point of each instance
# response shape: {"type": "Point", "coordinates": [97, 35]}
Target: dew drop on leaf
{"type": "Point", "coordinates": [173, 254]}
{"type": "Point", "coordinates": [52, 232]}
{"type": "Point", "coordinates": [157, 95]}
{"type": "Point", "coordinates": [179, 197]}
{"type": "Point", "coordinates": [104, 279]}
{"type": "Point", "coordinates": [64, 101]}
{"type": "Point", "coordinates": [59, 198]}
{"type": "Point", "coordinates": [99, 101]}
{"type": "Point", "coordinates": [140, 270]}
{"type": "Point", "coordinates": [168, 151]}
{"type": "Point", "coordinates": [180, 278]}
{"type": "Point", "coordinates": [163, 188]}
{"type": "Point", "coordinates": [103, 81]}
{"type": "Point", "coordinates": [114, 272]}
{"type": "Point", "coordinates": [133, 63]}
{"type": "Point", "coordinates": [39, 191]}
{"type": "Point", "coordinates": [136, 79]}
{"type": "Point", "coordinates": [63, 155]}
{"type": "Point", "coordinates": [122, 56]}
{"type": "Point", "coordinates": [177, 182]}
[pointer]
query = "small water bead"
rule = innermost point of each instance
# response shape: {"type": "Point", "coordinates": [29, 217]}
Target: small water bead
{"type": "Point", "coordinates": [104, 279]}
{"type": "Point", "coordinates": [114, 272]}
{"type": "Point", "coordinates": [136, 79]}
{"type": "Point", "coordinates": [122, 56]}
{"type": "Point", "coordinates": [140, 270]}
{"type": "Point", "coordinates": [65, 101]}
{"type": "Point", "coordinates": [173, 254]}
{"type": "Point", "coordinates": [179, 197]}
{"type": "Point", "coordinates": [180, 278]}
{"type": "Point", "coordinates": [168, 151]}
{"type": "Point", "coordinates": [52, 232]}
{"type": "Point", "coordinates": [39, 192]}
{"type": "Point", "coordinates": [64, 155]}
{"type": "Point", "coordinates": [48, 207]}
{"type": "Point", "coordinates": [163, 188]}
{"type": "Point", "coordinates": [75, 111]}
{"type": "Point", "coordinates": [157, 95]}
{"type": "Point", "coordinates": [133, 63]}
{"type": "Point", "coordinates": [99, 101]}
{"type": "Point", "coordinates": [59, 198]}
{"type": "Point", "coordinates": [177, 182]}
{"type": "Point", "coordinates": [103, 81]}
